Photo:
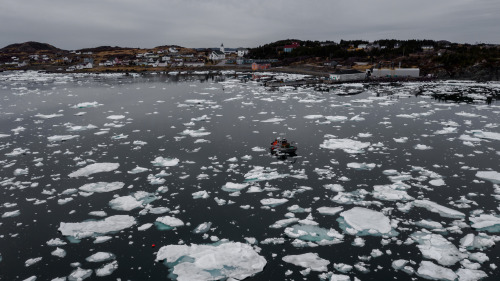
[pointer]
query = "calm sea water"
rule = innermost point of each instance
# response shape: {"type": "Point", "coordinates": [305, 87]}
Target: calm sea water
{"type": "Point", "coordinates": [242, 119]}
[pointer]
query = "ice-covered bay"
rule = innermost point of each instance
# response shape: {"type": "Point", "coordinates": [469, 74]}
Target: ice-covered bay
{"type": "Point", "coordinates": [101, 174]}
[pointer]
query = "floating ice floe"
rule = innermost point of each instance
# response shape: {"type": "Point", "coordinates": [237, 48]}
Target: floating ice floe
{"type": "Point", "coordinates": [87, 104]}
{"type": "Point", "coordinates": [80, 274]}
{"type": "Point", "coordinates": [125, 203]}
{"type": "Point", "coordinates": [308, 260]}
{"type": "Point", "coordinates": [361, 166]}
{"type": "Point", "coordinates": [102, 186]}
{"type": "Point", "coordinates": [436, 247]}
{"type": "Point", "coordinates": [273, 202]}
{"type": "Point", "coordinates": [484, 222]}
{"type": "Point", "coordinates": [81, 128]}
{"type": "Point", "coordinates": [486, 135]}
{"type": "Point", "coordinates": [100, 257]}
{"type": "Point", "coordinates": [168, 222]}
{"type": "Point", "coordinates": [491, 176]}
{"type": "Point", "coordinates": [165, 162]}
{"type": "Point", "coordinates": [480, 242]}
{"type": "Point", "coordinates": [362, 221]}
{"type": "Point", "coordinates": [227, 261]}
{"type": "Point", "coordinates": [313, 116]}
{"type": "Point", "coordinates": [329, 210]}
{"type": "Point", "coordinates": [432, 271]}
{"type": "Point", "coordinates": [48, 116]}
{"type": "Point", "coordinates": [116, 117]}
{"type": "Point", "coordinates": [273, 120]}
{"type": "Point", "coordinates": [259, 173]}
{"type": "Point", "coordinates": [94, 168]}
{"type": "Point", "coordinates": [17, 152]}
{"type": "Point", "coordinates": [90, 228]}
{"type": "Point", "coordinates": [307, 235]}
{"type": "Point", "coordinates": [11, 214]}
{"type": "Point", "coordinates": [347, 145]}
{"type": "Point", "coordinates": [30, 262]}
{"type": "Point", "coordinates": [390, 193]}
{"type": "Point", "coordinates": [439, 209]}
{"type": "Point", "coordinates": [137, 170]}
{"type": "Point", "coordinates": [58, 252]}
{"type": "Point", "coordinates": [202, 228]}
{"type": "Point", "coordinates": [232, 187]}
{"type": "Point", "coordinates": [422, 147]}
{"type": "Point", "coordinates": [203, 194]}
{"type": "Point", "coordinates": [107, 269]}
{"type": "Point", "coordinates": [196, 133]}
{"type": "Point", "coordinates": [446, 130]}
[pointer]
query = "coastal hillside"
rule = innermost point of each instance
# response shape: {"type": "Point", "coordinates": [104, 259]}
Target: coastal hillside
{"type": "Point", "coordinates": [30, 47]}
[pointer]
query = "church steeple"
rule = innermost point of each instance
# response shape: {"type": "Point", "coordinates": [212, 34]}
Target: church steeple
{"type": "Point", "coordinates": [222, 47]}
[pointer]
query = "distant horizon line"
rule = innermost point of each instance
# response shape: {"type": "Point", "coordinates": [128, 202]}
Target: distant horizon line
{"type": "Point", "coordinates": [177, 45]}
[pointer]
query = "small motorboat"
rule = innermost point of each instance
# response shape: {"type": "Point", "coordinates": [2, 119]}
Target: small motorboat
{"type": "Point", "coordinates": [283, 147]}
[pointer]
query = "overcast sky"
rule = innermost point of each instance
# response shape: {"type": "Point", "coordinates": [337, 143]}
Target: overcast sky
{"type": "Point", "coordinates": [76, 24]}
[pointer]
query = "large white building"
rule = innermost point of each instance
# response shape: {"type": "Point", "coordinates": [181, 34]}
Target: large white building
{"type": "Point", "coordinates": [394, 72]}
{"type": "Point", "coordinates": [218, 55]}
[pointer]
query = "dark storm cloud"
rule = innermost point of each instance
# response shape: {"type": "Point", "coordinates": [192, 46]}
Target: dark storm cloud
{"type": "Point", "coordinates": [73, 24]}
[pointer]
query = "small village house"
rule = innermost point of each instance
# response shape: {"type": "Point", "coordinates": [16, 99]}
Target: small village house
{"type": "Point", "coordinates": [291, 47]}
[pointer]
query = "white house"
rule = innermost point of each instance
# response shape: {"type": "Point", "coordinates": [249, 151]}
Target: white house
{"type": "Point", "coordinates": [217, 55]}
{"type": "Point", "coordinates": [172, 50]}
{"type": "Point", "coordinates": [242, 52]}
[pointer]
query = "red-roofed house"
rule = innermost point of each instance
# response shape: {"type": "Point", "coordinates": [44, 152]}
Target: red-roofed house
{"type": "Point", "coordinates": [289, 48]}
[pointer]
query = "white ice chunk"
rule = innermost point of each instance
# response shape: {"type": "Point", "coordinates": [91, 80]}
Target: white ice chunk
{"type": "Point", "coordinates": [470, 274]}
{"type": "Point", "coordinates": [89, 228]}
{"type": "Point", "coordinates": [125, 203]}
{"type": "Point", "coordinates": [232, 187]}
{"type": "Point", "coordinates": [102, 186]}
{"type": "Point", "coordinates": [107, 269]}
{"type": "Point", "coordinates": [486, 222]}
{"type": "Point", "coordinates": [11, 214]}
{"type": "Point", "coordinates": [94, 168]}
{"type": "Point", "coordinates": [273, 202]}
{"type": "Point", "coordinates": [80, 274]}
{"type": "Point", "coordinates": [329, 210]}
{"type": "Point", "coordinates": [363, 221]}
{"type": "Point", "coordinates": [390, 193]}
{"type": "Point", "coordinates": [439, 209]}
{"type": "Point", "coordinates": [308, 260]}
{"type": "Point", "coordinates": [429, 270]}
{"type": "Point", "coordinates": [58, 252]}
{"type": "Point", "coordinates": [116, 117]}
{"type": "Point", "coordinates": [491, 176]}
{"type": "Point", "coordinates": [165, 162]}
{"type": "Point", "coordinates": [436, 247]}
{"type": "Point", "coordinates": [361, 166]}
{"type": "Point", "coordinates": [206, 262]}
{"type": "Point", "coordinates": [62, 137]}
{"type": "Point", "coordinates": [170, 221]}
{"type": "Point", "coordinates": [100, 257]}
{"type": "Point", "coordinates": [30, 262]}
{"type": "Point", "coordinates": [347, 145]}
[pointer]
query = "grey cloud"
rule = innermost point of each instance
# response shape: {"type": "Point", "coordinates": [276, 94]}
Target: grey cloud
{"type": "Point", "coordinates": [204, 23]}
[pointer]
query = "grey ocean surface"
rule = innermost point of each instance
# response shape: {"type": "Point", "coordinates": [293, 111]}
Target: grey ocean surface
{"type": "Point", "coordinates": [350, 139]}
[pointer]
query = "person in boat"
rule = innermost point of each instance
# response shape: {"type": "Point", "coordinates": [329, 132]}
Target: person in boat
{"type": "Point", "coordinates": [275, 142]}
{"type": "Point", "coordinates": [285, 144]}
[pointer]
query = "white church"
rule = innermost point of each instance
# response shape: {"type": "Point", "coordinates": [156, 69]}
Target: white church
{"type": "Point", "coordinates": [218, 55]}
